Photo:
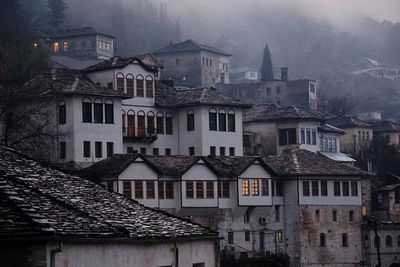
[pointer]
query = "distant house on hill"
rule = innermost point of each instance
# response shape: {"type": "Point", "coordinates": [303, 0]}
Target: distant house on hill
{"type": "Point", "coordinates": [191, 64]}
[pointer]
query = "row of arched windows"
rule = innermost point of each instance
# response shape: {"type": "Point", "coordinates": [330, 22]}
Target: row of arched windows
{"type": "Point", "coordinates": [377, 241]}
{"type": "Point", "coordinates": [141, 124]}
{"type": "Point", "coordinates": [218, 120]}
{"type": "Point", "coordinates": [138, 86]}
{"type": "Point", "coordinates": [97, 111]}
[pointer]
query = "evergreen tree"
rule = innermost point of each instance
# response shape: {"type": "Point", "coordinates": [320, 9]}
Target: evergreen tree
{"type": "Point", "coordinates": [56, 16]}
{"type": "Point", "coordinates": [266, 67]}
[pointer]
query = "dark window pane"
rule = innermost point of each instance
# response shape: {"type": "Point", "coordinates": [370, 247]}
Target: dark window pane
{"type": "Point", "coordinates": [150, 189]}
{"type": "Point", "coordinates": [86, 149]}
{"type": "Point", "coordinates": [231, 123]}
{"type": "Point", "coordinates": [86, 112]}
{"type": "Point", "coordinates": [62, 114]}
{"type": "Point", "coordinates": [324, 188]}
{"type": "Point", "coordinates": [190, 122]}
{"type": "Point", "coordinates": [98, 112]}
{"type": "Point", "coordinates": [169, 126]}
{"type": "Point", "coordinates": [306, 188]}
{"type": "Point", "coordinates": [212, 121]}
{"type": "Point", "coordinates": [138, 189]}
{"type": "Point", "coordinates": [109, 109]}
{"type": "Point", "coordinates": [98, 150]}
{"type": "Point", "coordinates": [110, 149]}
{"type": "Point", "coordinates": [222, 122]}
{"type": "Point", "coordinates": [63, 150]}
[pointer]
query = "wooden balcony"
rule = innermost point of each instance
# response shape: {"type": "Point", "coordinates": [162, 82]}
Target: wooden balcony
{"type": "Point", "coordinates": [139, 134]}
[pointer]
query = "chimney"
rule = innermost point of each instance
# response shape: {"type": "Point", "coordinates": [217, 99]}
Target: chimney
{"type": "Point", "coordinates": [284, 74]}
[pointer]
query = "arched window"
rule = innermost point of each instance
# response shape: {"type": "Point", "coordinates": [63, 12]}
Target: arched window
{"type": "Point", "coordinates": [98, 111]}
{"type": "Point", "coordinates": [141, 124]}
{"type": "Point", "coordinates": [62, 113]}
{"type": "Point", "coordinates": [131, 123]}
{"type": "Point", "coordinates": [149, 87]}
{"type": "Point", "coordinates": [322, 240]}
{"type": "Point", "coordinates": [222, 120]}
{"type": "Point", "coordinates": [120, 83]}
{"type": "Point", "coordinates": [212, 119]}
{"type": "Point", "coordinates": [377, 241]}
{"type": "Point", "coordinates": [366, 241]}
{"type": "Point", "coordinates": [389, 241]}
{"type": "Point", "coordinates": [130, 85]}
{"type": "Point", "coordinates": [231, 121]}
{"type": "Point", "coordinates": [109, 110]}
{"type": "Point", "coordinates": [150, 123]}
{"type": "Point", "coordinates": [123, 121]}
{"type": "Point", "coordinates": [190, 120]}
{"type": "Point", "coordinates": [168, 123]}
{"type": "Point", "coordinates": [345, 240]}
{"type": "Point", "coordinates": [87, 110]}
{"type": "Point", "coordinates": [160, 123]}
{"type": "Point", "coordinates": [139, 86]}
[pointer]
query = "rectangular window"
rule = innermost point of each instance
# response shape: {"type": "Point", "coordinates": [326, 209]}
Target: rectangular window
{"type": "Point", "coordinates": [351, 216]}
{"type": "Point", "coordinates": [109, 110]}
{"type": "Point", "coordinates": [110, 149]}
{"type": "Point", "coordinates": [169, 190]}
{"type": "Point", "coordinates": [223, 189]}
{"type": "Point", "coordinates": [168, 151]}
{"type": "Point", "coordinates": [314, 187]}
{"type": "Point", "coordinates": [149, 89]}
{"type": "Point", "coordinates": [168, 124]}
{"type": "Point", "coordinates": [86, 112]}
{"type": "Point", "coordinates": [222, 151]}
{"type": "Point", "coordinates": [156, 151]}
{"type": "Point", "coordinates": [191, 151]}
{"type": "Point", "coordinates": [264, 187]}
{"type": "Point", "coordinates": [345, 241]}
{"type": "Point", "coordinates": [62, 113]}
{"type": "Point", "coordinates": [336, 189]}
{"type": "Point", "coordinates": [210, 189]}
{"type": "Point", "coordinates": [247, 236]}
{"type": "Point", "coordinates": [314, 136]}
{"type": "Point", "coordinates": [98, 112]}
{"type": "Point", "coordinates": [230, 237]}
{"type": "Point", "coordinates": [306, 188]}
{"type": "Point", "coordinates": [324, 188]}
{"type": "Point", "coordinates": [127, 189]}
{"type": "Point", "coordinates": [317, 216]}
{"type": "Point", "coordinates": [130, 86]}
{"type": "Point", "coordinates": [86, 149]}
{"type": "Point", "coordinates": [308, 136]}
{"type": "Point", "coordinates": [161, 190]}
{"type": "Point", "coordinates": [255, 191]}
{"type": "Point", "coordinates": [98, 149]}
{"type": "Point", "coordinates": [130, 150]}
{"type": "Point", "coordinates": [143, 150]}
{"type": "Point", "coordinates": [303, 135]}
{"type": "Point", "coordinates": [138, 189]}
{"type": "Point", "coordinates": [231, 123]}
{"type": "Point", "coordinates": [189, 189]}
{"type": "Point", "coordinates": [199, 189]}
{"type": "Point", "coordinates": [222, 122]}
{"type": "Point", "coordinates": [354, 189]}
{"type": "Point", "coordinates": [287, 136]}
{"type": "Point", "coordinates": [334, 215]}
{"type": "Point", "coordinates": [160, 124]}
{"type": "Point", "coordinates": [231, 151]}
{"type": "Point", "coordinates": [120, 84]}
{"type": "Point", "coordinates": [277, 213]}
{"type": "Point", "coordinates": [150, 125]}
{"type": "Point", "coordinates": [212, 118]}
{"type": "Point", "coordinates": [56, 48]}
{"type": "Point", "coordinates": [245, 187]}
{"type": "Point", "coordinates": [150, 190]}
{"type": "Point", "coordinates": [63, 150]}
{"type": "Point", "coordinates": [346, 190]}
{"type": "Point", "coordinates": [140, 87]}
{"type": "Point", "coordinates": [213, 151]}
{"type": "Point", "coordinates": [190, 121]}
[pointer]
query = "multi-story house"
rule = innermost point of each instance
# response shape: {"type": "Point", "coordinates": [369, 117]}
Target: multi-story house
{"type": "Point", "coordinates": [84, 115]}
{"type": "Point", "coordinates": [241, 75]}
{"type": "Point", "coordinates": [283, 92]}
{"type": "Point", "coordinates": [387, 129]}
{"type": "Point", "coordinates": [191, 64]}
{"type": "Point", "coordinates": [270, 129]}
{"type": "Point", "coordinates": [161, 120]}
{"type": "Point", "coordinates": [299, 203]}
{"type": "Point", "coordinates": [358, 134]}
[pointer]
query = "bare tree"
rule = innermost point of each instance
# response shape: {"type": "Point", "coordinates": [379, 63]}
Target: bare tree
{"type": "Point", "coordinates": [340, 106]}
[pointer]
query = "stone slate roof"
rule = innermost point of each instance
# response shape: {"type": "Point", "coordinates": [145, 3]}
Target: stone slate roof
{"type": "Point", "coordinates": [41, 202]}
{"type": "Point", "coordinates": [305, 163]}
{"type": "Point", "coordinates": [386, 126]}
{"type": "Point", "coordinates": [273, 112]}
{"type": "Point", "coordinates": [327, 128]}
{"type": "Point", "coordinates": [65, 61]}
{"type": "Point", "coordinates": [121, 62]}
{"type": "Point", "coordinates": [292, 162]}
{"type": "Point", "coordinates": [348, 122]}
{"type": "Point", "coordinates": [69, 82]}
{"type": "Point", "coordinates": [170, 97]}
{"type": "Point", "coordinates": [76, 32]}
{"type": "Point", "coordinates": [188, 46]}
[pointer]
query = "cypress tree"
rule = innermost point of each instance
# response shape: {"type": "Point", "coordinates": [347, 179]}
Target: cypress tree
{"type": "Point", "coordinates": [266, 67]}
{"type": "Point", "coordinates": [57, 8]}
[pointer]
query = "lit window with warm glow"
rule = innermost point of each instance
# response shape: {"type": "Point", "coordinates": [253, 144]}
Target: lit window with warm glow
{"type": "Point", "coordinates": [245, 187]}
{"type": "Point", "coordinates": [56, 48]}
{"type": "Point", "coordinates": [65, 46]}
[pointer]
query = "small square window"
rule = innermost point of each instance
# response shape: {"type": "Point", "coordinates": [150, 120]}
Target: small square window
{"type": "Point", "coordinates": [191, 151]}
{"type": "Point", "coordinates": [143, 150]}
{"type": "Point", "coordinates": [168, 151]}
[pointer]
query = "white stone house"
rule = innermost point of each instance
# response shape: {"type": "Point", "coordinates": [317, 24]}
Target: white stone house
{"type": "Point", "coordinates": [53, 219]}
{"type": "Point", "coordinates": [161, 120]}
